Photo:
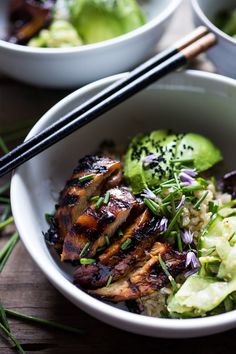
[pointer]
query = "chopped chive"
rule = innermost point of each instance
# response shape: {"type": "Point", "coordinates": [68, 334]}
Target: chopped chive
{"type": "Point", "coordinates": [85, 248]}
{"type": "Point", "coordinates": [48, 217]}
{"type": "Point", "coordinates": [214, 181]}
{"type": "Point", "coordinates": [99, 203]}
{"type": "Point", "coordinates": [179, 241]}
{"type": "Point", "coordinates": [5, 188]}
{"type": "Point", "coordinates": [199, 202]}
{"type": "Point", "coordinates": [202, 181]}
{"type": "Point", "coordinates": [6, 213]}
{"type": "Point", "coordinates": [3, 146]}
{"type": "Point", "coordinates": [170, 185]}
{"type": "Point", "coordinates": [107, 240]}
{"type": "Point", "coordinates": [206, 228]}
{"type": "Point", "coordinates": [8, 244]}
{"type": "Point", "coordinates": [177, 180]}
{"type": "Point", "coordinates": [177, 161]}
{"type": "Point", "coordinates": [3, 318]}
{"type": "Point", "coordinates": [87, 261]}
{"type": "Point", "coordinates": [174, 220]}
{"type": "Point", "coordinates": [106, 198]}
{"type": "Point", "coordinates": [213, 208]}
{"type": "Point", "coordinates": [101, 249]}
{"type": "Point", "coordinates": [120, 233]}
{"type": "Point", "coordinates": [87, 177]}
{"type": "Point", "coordinates": [9, 221]}
{"type": "Point", "coordinates": [170, 196]}
{"type": "Point", "coordinates": [232, 236]}
{"type": "Point", "coordinates": [109, 281]}
{"type": "Point", "coordinates": [167, 273]}
{"type": "Point", "coordinates": [192, 188]}
{"type": "Point", "coordinates": [12, 339]}
{"type": "Point", "coordinates": [9, 251]}
{"type": "Point", "coordinates": [173, 206]}
{"type": "Point", "coordinates": [151, 206]}
{"type": "Point", "coordinates": [5, 200]}
{"type": "Point", "coordinates": [157, 191]}
{"type": "Point", "coordinates": [52, 324]}
{"type": "Point", "coordinates": [94, 198]}
{"type": "Point", "coordinates": [209, 251]}
{"type": "Point", "coordinates": [126, 244]}
{"type": "Point", "coordinates": [168, 181]}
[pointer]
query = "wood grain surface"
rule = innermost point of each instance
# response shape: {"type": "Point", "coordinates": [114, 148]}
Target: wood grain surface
{"type": "Point", "coordinates": [23, 287]}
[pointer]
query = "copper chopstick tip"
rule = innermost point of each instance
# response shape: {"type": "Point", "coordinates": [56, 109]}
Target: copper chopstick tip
{"type": "Point", "coordinates": [200, 46]}
{"type": "Point", "coordinates": [190, 38]}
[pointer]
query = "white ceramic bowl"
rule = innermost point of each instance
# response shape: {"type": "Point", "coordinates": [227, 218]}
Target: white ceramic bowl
{"type": "Point", "coordinates": [223, 54]}
{"type": "Point", "coordinates": [192, 101]}
{"type": "Point", "coordinates": [68, 68]}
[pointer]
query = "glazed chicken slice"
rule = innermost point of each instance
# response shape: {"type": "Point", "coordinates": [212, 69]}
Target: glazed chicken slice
{"type": "Point", "coordinates": [122, 256]}
{"type": "Point", "coordinates": [28, 17]}
{"type": "Point", "coordinates": [147, 278]}
{"type": "Point", "coordinates": [89, 178]}
{"type": "Point", "coordinates": [95, 226]}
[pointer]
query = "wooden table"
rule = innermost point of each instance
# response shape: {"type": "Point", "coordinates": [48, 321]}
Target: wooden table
{"type": "Point", "coordinates": [23, 287]}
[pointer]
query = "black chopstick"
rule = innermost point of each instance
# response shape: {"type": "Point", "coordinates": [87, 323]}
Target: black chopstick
{"type": "Point", "coordinates": [140, 70]}
{"type": "Point", "coordinates": [117, 96]}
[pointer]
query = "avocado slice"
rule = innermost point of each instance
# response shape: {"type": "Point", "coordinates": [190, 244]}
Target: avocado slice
{"type": "Point", "coordinates": [166, 147]}
{"type": "Point", "coordinates": [200, 149]}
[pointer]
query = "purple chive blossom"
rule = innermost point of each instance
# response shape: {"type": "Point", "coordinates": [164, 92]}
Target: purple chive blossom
{"type": "Point", "coordinates": [192, 260]}
{"type": "Point", "coordinates": [186, 178]}
{"type": "Point", "coordinates": [190, 172]}
{"type": "Point", "coordinates": [163, 224]}
{"type": "Point", "coordinates": [148, 159]}
{"type": "Point", "coordinates": [181, 202]}
{"type": "Point", "coordinates": [147, 193]}
{"type": "Point", "coordinates": [187, 237]}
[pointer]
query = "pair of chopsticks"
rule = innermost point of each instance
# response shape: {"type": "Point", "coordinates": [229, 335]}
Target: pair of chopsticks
{"type": "Point", "coordinates": [155, 68]}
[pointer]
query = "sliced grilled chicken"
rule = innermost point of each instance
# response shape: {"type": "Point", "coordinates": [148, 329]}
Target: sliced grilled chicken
{"type": "Point", "coordinates": [147, 278]}
{"type": "Point", "coordinates": [122, 256]}
{"type": "Point", "coordinates": [95, 172]}
{"type": "Point", "coordinates": [97, 225]}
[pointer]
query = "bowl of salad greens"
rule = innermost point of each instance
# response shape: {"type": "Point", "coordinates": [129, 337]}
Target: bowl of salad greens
{"type": "Point", "coordinates": [133, 217]}
{"type": "Point", "coordinates": [68, 43]}
{"type": "Point", "coordinates": [219, 17]}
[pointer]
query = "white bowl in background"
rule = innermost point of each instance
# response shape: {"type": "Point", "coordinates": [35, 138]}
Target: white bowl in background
{"type": "Point", "coordinates": [223, 54]}
{"type": "Point", "coordinates": [74, 67]}
{"type": "Point", "coordinates": [192, 101]}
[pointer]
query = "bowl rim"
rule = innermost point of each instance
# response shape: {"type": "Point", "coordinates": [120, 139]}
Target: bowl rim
{"type": "Point", "coordinates": [201, 14]}
{"type": "Point", "coordinates": [169, 9]}
{"type": "Point", "coordinates": [93, 306]}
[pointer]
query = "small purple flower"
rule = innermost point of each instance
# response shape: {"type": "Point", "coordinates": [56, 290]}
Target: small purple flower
{"type": "Point", "coordinates": [148, 159]}
{"type": "Point", "coordinates": [187, 237]}
{"type": "Point", "coordinates": [163, 224]}
{"type": "Point", "coordinates": [181, 202]}
{"type": "Point", "coordinates": [189, 171]}
{"type": "Point", "coordinates": [147, 193]}
{"type": "Point", "coordinates": [186, 178]}
{"type": "Point", "coordinates": [192, 260]}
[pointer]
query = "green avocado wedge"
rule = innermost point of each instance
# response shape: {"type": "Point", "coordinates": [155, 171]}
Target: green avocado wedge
{"type": "Point", "coordinates": [203, 152]}
{"type": "Point", "coordinates": [149, 158]}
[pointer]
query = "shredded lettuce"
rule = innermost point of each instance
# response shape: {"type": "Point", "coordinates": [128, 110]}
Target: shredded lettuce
{"type": "Point", "coordinates": [98, 20]}
{"type": "Point", "coordinates": [216, 281]}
